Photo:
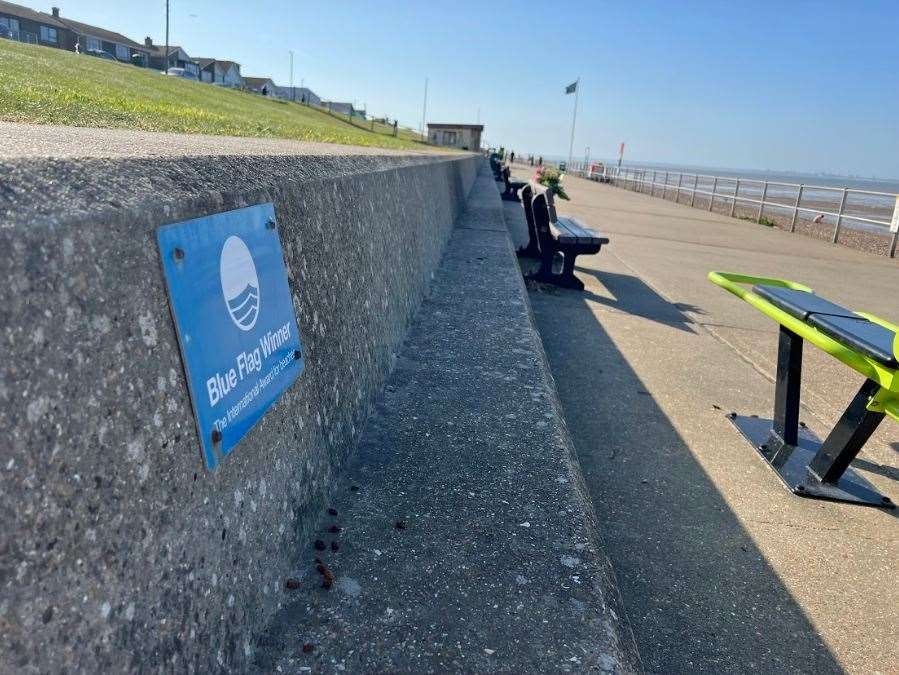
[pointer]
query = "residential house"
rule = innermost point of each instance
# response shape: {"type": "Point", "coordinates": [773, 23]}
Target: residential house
{"type": "Point", "coordinates": [91, 38]}
{"type": "Point", "coordinates": [298, 94]}
{"type": "Point", "coordinates": [216, 71]}
{"type": "Point", "coordinates": [343, 108]}
{"type": "Point", "coordinates": [178, 58]}
{"type": "Point", "coordinates": [39, 28]}
{"type": "Point", "coordinates": [462, 136]}
{"type": "Point", "coordinates": [261, 85]}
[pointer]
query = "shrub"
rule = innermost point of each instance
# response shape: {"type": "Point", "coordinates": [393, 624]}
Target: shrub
{"type": "Point", "coordinates": [552, 179]}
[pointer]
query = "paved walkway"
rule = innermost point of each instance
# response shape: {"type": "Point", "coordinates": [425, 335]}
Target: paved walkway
{"type": "Point", "coordinates": [721, 569]}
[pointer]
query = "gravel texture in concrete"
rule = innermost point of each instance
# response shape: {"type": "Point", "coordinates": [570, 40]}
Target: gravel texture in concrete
{"type": "Point", "coordinates": [119, 552]}
{"type": "Point", "coordinates": [461, 540]}
{"type": "Point", "coordinates": [18, 141]}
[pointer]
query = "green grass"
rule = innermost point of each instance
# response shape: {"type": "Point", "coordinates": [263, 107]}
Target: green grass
{"type": "Point", "coordinates": [42, 85]}
{"type": "Point", "coordinates": [764, 220]}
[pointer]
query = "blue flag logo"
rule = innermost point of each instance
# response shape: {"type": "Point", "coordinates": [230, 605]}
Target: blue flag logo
{"type": "Point", "coordinates": [240, 283]}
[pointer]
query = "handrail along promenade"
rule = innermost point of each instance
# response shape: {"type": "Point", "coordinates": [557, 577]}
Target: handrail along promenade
{"type": "Point", "coordinates": [692, 184]}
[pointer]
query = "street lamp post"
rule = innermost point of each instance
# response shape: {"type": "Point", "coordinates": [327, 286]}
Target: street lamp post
{"type": "Point", "coordinates": [165, 64]}
{"type": "Point", "coordinates": [293, 91]}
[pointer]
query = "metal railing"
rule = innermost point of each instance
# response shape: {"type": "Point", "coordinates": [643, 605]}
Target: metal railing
{"type": "Point", "coordinates": [727, 190]}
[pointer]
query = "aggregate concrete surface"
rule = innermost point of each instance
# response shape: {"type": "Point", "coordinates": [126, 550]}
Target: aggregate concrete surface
{"type": "Point", "coordinates": [119, 552]}
{"type": "Point", "coordinates": [56, 175]}
{"type": "Point", "coordinates": [19, 140]}
{"type": "Point", "coordinates": [465, 541]}
{"type": "Point", "coordinates": [721, 568]}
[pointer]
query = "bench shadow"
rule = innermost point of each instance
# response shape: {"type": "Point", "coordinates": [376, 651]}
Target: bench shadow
{"type": "Point", "coordinates": [699, 593]}
{"type": "Point", "coordinates": [632, 295]}
{"type": "Point", "coordinates": [880, 469]}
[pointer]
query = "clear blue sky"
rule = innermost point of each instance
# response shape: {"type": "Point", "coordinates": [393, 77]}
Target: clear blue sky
{"type": "Point", "coordinates": [797, 85]}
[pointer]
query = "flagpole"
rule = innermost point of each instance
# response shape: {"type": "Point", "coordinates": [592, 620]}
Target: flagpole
{"type": "Point", "coordinates": [577, 92]}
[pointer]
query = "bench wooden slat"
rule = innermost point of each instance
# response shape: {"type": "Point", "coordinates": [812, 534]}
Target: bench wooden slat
{"type": "Point", "coordinates": [580, 234]}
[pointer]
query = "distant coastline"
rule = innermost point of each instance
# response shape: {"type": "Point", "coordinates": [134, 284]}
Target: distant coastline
{"type": "Point", "coordinates": [873, 183]}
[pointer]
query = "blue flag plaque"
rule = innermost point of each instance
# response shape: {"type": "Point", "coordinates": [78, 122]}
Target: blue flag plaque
{"type": "Point", "coordinates": [234, 317]}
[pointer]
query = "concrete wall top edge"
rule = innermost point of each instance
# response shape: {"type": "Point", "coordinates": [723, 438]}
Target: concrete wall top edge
{"type": "Point", "coordinates": [51, 192]}
{"type": "Point", "coordinates": [20, 141]}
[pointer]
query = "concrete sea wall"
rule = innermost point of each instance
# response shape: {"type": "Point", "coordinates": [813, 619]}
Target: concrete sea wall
{"type": "Point", "coordinates": [119, 550]}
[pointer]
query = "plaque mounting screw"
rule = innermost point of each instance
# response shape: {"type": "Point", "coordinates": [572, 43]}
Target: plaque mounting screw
{"type": "Point", "coordinates": [270, 224]}
{"type": "Point", "coordinates": [297, 354]}
{"type": "Point", "coordinates": [178, 254]}
{"type": "Point", "coordinates": [216, 436]}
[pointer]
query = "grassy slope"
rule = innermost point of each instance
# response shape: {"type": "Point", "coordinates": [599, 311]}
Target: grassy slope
{"type": "Point", "coordinates": [49, 86]}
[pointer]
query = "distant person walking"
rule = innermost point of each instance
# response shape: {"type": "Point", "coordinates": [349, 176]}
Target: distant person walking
{"type": "Point", "coordinates": [540, 161]}
{"type": "Point", "coordinates": [512, 157]}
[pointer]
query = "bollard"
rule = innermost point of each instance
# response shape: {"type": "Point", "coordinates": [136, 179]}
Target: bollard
{"type": "Point", "coordinates": [758, 218]}
{"type": "Point", "coordinates": [796, 208]}
{"type": "Point", "coordinates": [836, 229]}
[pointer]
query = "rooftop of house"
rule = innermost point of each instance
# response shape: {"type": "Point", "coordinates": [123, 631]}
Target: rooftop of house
{"type": "Point", "coordinates": [444, 125]}
{"type": "Point", "coordinates": [204, 62]}
{"type": "Point", "coordinates": [159, 50]}
{"type": "Point", "coordinates": [257, 81]}
{"type": "Point", "coordinates": [30, 14]}
{"type": "Point", "coordinates": [97, 32]}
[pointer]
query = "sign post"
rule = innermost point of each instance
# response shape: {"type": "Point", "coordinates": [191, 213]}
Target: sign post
{"type": "Point", "coordinates": [234, 317]}
{"type": "Point", "coordinates": [894, 228]}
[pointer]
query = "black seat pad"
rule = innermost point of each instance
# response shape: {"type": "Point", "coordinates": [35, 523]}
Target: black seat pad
{"type": "Point", "coordinates": [864, 336]}
{"type": "Point", "coordinates": [800, 304]}
{"type": "Point", "coordinates": [839, 323]}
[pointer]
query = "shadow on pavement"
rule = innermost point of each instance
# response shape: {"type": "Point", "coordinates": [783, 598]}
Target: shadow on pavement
{"type": "Point", "coordinates": [632, 295]}
{"type": "Point", "coordinates": [874, 467]}
{"type": "Point", "coordinates": [700, 595]}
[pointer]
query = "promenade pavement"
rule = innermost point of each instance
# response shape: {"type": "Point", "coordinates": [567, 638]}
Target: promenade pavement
{"type": "Point", "coordinates": [720, 567]}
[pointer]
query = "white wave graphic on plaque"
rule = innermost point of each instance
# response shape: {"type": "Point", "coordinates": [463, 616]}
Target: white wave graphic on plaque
{"type": "Point", "coordinates": [240, 284]}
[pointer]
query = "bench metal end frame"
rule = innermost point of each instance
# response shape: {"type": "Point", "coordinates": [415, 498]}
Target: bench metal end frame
{"type": "Point", "coordinates": [809, 467]}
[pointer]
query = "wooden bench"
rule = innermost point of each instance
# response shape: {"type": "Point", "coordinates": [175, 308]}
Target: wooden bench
{"type": "Point", "coordinates": [512, 186]}
{"type": "Point", "coordinates": [532, 250]}
{"type": "Point", "coordinates": [496, 165]}
{"type": "Point", "coordinates": [550, 235]}
{"type": "Point", "coordinates": [867, 344]}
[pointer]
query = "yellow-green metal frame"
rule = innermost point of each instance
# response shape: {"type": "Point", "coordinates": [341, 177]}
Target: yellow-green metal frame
{"type": "Point", "coordinates": [887, 398]}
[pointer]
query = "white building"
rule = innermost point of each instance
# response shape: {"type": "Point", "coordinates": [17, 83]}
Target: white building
{"type": "Point", "coordinates": [462, 136]}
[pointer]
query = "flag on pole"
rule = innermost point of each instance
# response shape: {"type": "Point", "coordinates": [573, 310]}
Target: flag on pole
{"type": "Point", "coordinates": [571, 88]}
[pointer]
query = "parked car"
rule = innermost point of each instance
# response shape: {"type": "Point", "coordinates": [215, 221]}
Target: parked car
{"type": "Point", "coordinates": [100, 54]}
{"type": "Point", "coordinates": [180, 72]}
{"type": "Point", "coordinates": [5, 32]}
